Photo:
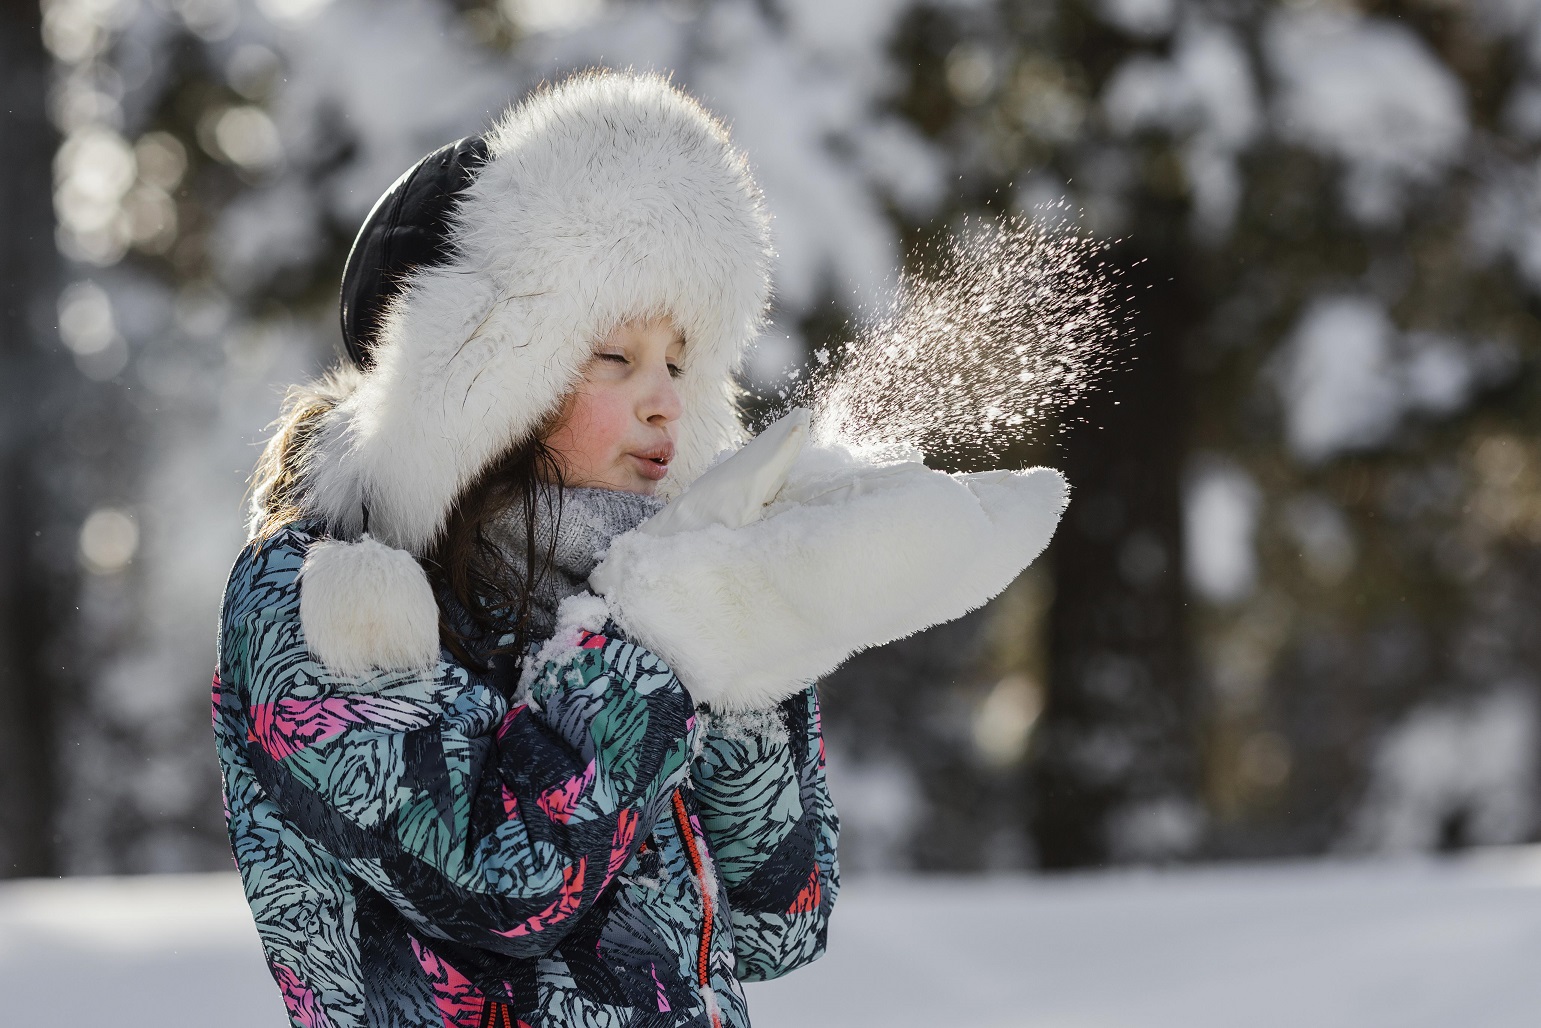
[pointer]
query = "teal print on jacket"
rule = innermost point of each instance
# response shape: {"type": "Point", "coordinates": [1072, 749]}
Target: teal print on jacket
{"type": "Point", "coordinates": [419, 848]}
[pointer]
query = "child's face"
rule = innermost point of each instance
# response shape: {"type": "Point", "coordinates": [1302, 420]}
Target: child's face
{"type": "Point", "coordinates": [616, 428]}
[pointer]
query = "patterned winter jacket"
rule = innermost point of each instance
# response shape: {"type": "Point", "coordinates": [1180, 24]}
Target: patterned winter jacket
{"type": "Point", "coordinates": [419, 849]}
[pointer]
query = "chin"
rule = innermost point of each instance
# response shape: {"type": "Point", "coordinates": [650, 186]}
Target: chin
{"type": "Point", "coordinates": [645, 486]}
{"type": "Point", "coordinates": [621, 479]}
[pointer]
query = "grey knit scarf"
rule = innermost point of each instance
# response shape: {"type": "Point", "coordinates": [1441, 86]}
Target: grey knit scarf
{"type": "Point", "coordinates": [589, 519]}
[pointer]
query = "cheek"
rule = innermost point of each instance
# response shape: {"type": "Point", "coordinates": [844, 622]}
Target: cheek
{"type": "Point", "coordinates": [592, 431]}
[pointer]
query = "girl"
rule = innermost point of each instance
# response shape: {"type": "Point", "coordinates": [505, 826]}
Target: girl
{"type": "Point", "coordinates": [506, 740]}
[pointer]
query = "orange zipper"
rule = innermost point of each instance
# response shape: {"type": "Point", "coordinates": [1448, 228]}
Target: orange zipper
{"type": "Point", "coordinates": [698, 868]}
{"type": "Point", "coordinates": [495, 1015]}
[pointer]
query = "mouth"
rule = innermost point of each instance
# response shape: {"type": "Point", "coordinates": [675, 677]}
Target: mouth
{"type": "Point", "coordinates": [654, 463]}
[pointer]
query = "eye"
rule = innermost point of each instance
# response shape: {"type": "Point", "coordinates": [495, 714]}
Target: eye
{"type": "Point", "coordinates": [675, 371]}
{"type": "Point", "coordinates": [620, 357]}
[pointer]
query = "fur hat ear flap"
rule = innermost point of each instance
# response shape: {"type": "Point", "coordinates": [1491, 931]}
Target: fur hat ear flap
{"type": "Point", "coordinates": [366, 606]}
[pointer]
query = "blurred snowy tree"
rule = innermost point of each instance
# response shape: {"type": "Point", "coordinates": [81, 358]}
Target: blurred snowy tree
{"type": "Point", "coordinates": [33, 595]}
{"type": "Point", "coordinates": [216, 158]}
{"type": "Point", "coordinates": [1337, 203]}
{"type": "Point", "coordinates": [1288, 611]}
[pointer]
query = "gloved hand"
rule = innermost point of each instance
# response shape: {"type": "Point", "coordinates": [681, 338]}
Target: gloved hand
{"type": "Point", "coordinates": [734, 491]}
{"type": "Point", "coordinates": [847, 555]}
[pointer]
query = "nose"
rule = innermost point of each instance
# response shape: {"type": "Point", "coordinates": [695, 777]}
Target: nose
{"type": "Point", "coordinates": [661, 404]}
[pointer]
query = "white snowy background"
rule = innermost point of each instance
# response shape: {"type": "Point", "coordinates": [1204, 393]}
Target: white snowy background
{"type": "Point", "coordinates": [801, 91]}
{"type": "Point", "coordinates": [1388, 944]}
{"type": "Point", "coordinates": [318, 105]}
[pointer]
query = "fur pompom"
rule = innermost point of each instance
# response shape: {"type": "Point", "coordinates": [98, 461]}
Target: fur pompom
{"type": "Point", "coordinates": [365, 606]}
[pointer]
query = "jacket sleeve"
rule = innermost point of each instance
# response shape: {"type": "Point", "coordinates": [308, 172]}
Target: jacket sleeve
{"type": "Point", "coordinates": [767, 815]}
{"type": "Point", "coordinates": [486, 825]}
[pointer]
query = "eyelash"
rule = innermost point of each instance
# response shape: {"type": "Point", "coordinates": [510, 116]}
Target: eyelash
{"type": "Point", "coordinates": [675, 371]}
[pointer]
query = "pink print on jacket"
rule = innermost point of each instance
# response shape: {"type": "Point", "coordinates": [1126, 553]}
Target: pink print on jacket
{"type": "Point", "coordinates": [561, 908]}
{"type": "Point", "coordinates": [459, 1002]}
{"type": "Point", "coordinates": [620, 843]}
{"type": "Point", "coordinates": [663, 999]}
{"type": "Point", "coordinates": [809, 898]}
{"type": "Point", "coordinates": [299, 999]}
{"type": "Point", "coordinates": [290, 725]}
{"type": "Point", "coordinates": [508, 719]}
{"type": "Point", "coordinates": [510, 803]}
{"type": "Point", "coordinates": [560, 801]}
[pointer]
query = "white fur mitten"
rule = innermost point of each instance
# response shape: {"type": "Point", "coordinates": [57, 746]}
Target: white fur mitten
{"type": "Point", "coordinates": [849, 555]}
{"type": "Point", "coordinates": [734, 492]}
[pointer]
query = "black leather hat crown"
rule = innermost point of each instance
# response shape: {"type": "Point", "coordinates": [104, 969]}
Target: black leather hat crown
{"type": "Point", "coordinates": [408, 227]}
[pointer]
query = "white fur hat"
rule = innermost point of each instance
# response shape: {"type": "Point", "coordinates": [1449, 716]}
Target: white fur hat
{"type": "Point", "coordinates": [604, 197]}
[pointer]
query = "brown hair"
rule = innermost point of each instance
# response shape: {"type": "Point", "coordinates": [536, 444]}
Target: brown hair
{"type": "Point", "coordinates": [277, 486]}
{"type": "Point", "coordinates": [489, 585]}
{"type": "Point", "coordinates": [492, 586]}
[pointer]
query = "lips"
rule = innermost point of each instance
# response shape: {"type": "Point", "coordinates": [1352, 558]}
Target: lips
{"type": "Point", "coordinates": [654, 462]}
{"type": "Point", "coordinates": [663, 454]}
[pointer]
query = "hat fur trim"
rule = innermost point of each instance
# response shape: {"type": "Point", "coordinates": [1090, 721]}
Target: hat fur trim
{"type": "Point", "coordinates": [605, 197]}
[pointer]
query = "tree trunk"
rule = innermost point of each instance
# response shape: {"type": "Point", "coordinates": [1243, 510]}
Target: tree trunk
{"type": "Point", "coordinates": [28, 279]}
{"type": "Point", "coordinates": [1113, 774]}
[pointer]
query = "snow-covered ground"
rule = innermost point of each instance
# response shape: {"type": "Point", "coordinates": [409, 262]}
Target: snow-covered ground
{"type": "Point", "coordinates": [1385, 944]}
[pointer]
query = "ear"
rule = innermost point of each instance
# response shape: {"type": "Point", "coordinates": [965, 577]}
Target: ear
{"type": "Point", "coordinates": [366, 606]}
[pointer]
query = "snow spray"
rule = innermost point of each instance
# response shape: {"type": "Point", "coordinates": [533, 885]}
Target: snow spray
{"type": "Point", "coordinates": [1004, 326]}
